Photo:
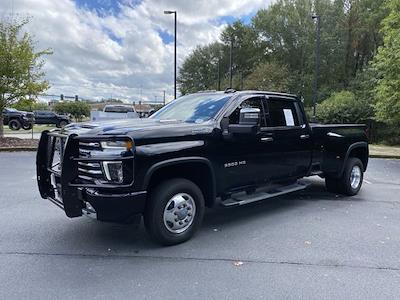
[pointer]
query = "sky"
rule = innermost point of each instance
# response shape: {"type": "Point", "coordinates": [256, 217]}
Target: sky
{"type": "Point", "coordinates": [122, 49]}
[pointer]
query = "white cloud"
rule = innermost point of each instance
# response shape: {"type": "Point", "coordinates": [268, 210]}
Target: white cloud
{"type": "Point", "coordinates": [120, 54]}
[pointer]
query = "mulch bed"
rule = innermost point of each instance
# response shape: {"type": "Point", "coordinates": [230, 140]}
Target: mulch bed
{"type": "Point", "coordinates": [13, 142]}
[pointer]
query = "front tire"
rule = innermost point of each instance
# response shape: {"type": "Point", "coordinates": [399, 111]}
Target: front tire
{"type": "Point", "coordinates": [27, 126]}
{"type": "Point", "coordinates": [14, 125]}
{"type": "Point", "coordinates": [62, 124]}
{"type": "Point", "coordinates": [175, 211]}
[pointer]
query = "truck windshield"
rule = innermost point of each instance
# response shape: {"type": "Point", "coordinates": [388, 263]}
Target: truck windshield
{"type": "Point", "coordinates": [194, 108]}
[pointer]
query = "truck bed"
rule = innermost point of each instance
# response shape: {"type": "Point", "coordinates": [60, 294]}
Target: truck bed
{"type": "Point", "coordinates": [332, 143]}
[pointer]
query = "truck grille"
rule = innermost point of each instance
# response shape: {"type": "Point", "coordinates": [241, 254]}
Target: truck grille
{"type": "Point", "coordinates": [90, 171]}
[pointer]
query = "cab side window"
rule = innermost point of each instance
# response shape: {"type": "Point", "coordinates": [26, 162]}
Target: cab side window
{"type": "Point", "coordinates": [248, 103]}
{"type": "Point", "coordinates": [282, 113]}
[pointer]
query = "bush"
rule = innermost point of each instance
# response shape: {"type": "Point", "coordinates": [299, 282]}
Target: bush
{"type": "Point", "coordinates": [77, 109]}
{"type": "Point", "coordinates": [344, 107]}
{"type": "Point", "coordinates": [381, 133]}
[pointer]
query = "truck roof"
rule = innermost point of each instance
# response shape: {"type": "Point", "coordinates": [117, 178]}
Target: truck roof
{"type": "Point", "coordinates": [229, 91]}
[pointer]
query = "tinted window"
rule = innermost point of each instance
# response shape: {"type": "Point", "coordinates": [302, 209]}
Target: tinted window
{"type": "Point", "coordinates": [249, 103]}
{"type": "Point", "coordinates": [282, 113]}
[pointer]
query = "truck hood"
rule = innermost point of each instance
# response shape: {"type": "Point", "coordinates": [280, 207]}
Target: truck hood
{"type": "Point", "coordinates": [140, 128]}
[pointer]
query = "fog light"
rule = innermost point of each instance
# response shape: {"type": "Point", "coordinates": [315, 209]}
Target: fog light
{"type": "Point", "coordinates": [113, 171]}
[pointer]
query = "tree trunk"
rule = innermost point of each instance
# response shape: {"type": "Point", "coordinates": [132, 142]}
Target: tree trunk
{"type": "Point", "coordinates": [2, 106]}
{"type": "Point", "coordinates": [1, 124]}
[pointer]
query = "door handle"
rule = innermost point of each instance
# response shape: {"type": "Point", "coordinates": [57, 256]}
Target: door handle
{"type": "Point", "coordinates": [267, 139]}
{"type": "Point", "coordinates": [304, 136]}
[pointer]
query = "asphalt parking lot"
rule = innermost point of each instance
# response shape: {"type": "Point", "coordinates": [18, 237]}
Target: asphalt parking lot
{"type": "Point", "coordinates": [307, 245]}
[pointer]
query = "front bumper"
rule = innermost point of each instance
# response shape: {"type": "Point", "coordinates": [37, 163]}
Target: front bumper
{"type": "Point", "coordinates": [64, 186]}
{"type": "Point", "coordinates": [28, 121]}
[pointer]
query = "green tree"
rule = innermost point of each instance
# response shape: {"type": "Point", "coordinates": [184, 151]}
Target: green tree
{"type": "Point", "coordinates": [269, 77]}
{"type": "Point", "coordinates": [200, 69]}
{"type": "Point", "coordinates": [387, 64]}
{"type": "Point", "coordinates": [29, 105]}
{"type": "Point", "coordinates": [21, 72]}
{"type": "Point", "coordinates": [77, 109]}
{"type": "Point", "coordinates": [247, 50]}
{"type": "Point", "coordinates": [344, 107]}
{"type": "Point", "coordinates": [284, 34]}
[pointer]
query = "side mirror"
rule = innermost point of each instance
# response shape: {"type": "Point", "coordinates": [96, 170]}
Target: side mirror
{"type": "Point", "coordinates": [249, 121]}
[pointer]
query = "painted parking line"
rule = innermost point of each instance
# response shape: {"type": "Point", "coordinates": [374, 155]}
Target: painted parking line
{"type": "Point", "coordinates": [366, 181]}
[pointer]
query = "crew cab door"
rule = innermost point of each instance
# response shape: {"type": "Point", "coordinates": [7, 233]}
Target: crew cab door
{"type": "Point", "coordinates": [247, 159]}
{"type": "Point", "coordinates": [291, 146]}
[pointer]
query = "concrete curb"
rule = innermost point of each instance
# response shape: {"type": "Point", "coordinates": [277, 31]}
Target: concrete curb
{"type": "Point", "coordinates": [18, 149]}
{"type": "Point", "coordinates": [384, 156]}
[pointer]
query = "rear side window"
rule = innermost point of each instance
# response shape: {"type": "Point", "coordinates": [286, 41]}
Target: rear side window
{"type": "Point", "coordinates": [282, 113]}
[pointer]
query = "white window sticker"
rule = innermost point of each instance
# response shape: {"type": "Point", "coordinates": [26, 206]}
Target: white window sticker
{"type": "Point", "coordinates": [289, 117]}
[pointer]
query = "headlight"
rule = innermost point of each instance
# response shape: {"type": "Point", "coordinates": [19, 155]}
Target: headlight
{"type": "Point", "coordinates": [113, 171]}
{"type": "Point", "coordinates": [117, 145]}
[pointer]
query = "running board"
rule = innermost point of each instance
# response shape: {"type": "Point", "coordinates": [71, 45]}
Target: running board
{"type": "Point", "coordinates": [242, 198]}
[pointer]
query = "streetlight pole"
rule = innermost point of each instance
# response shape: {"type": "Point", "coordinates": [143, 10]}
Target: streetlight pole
{"type": "Point", "coordinates": [230, 63]}
{"type": "Point", "coordinates": [169, 12]}
{"type": "Point", "coordinates": [317, 45]}
{"type": "Point", "coordinates": [218, 77]}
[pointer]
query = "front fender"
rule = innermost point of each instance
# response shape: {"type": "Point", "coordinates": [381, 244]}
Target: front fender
{"type": "Point", "coordinates": [206, 183]}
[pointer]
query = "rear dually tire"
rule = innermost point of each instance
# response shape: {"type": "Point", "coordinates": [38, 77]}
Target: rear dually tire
{"type": "Point", "coordinates": [351, 180]}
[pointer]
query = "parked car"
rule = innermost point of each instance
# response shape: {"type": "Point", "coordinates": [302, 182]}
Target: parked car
{"type": "Point", "coordinates": [49, 117]}
{"type": "Point", "coordinates": [16, 119]}
{"type": "Point", "coordinates": [116, 108]}
{"type": "Point", "coordinates": [114, 112]}
{"type": "Point", "coordinates": [202, 150]}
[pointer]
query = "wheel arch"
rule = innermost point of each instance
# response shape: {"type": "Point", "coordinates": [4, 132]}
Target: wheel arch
{"type": "Point", "coordinates": [196, 169]}
{"type": "Point", "coordinates": [358, 150]}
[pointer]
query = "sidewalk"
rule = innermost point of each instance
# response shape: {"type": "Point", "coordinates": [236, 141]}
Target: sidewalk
{"type": "Point", "coordinates": [381, 151]}
{"type": "Point", "coordinates": [25, 135]}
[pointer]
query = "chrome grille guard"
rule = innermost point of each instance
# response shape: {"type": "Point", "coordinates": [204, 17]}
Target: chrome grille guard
{"type": "Point", "coordinates": [67, 183]}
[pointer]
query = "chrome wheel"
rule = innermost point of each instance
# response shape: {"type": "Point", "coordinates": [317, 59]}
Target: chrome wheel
{"type": "Point", "coordinates": [179, 213]}
{"type": "Point", "coordinates": [355, 177]}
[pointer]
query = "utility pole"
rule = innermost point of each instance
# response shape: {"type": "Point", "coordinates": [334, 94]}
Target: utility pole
{"type": "Point", "coordinates": [316, 75]}
{"type": "Point", "coordinates": [164, 98]}
{"type": "Point", "coordinates": [230, 63]}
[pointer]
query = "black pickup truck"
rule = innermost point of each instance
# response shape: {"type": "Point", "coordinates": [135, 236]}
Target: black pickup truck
{"type": "Point", "coordinates": [49, 117]}
{"type": "Point", "coordinates": [16, 119]}
{"type": "Point", "coordinates": [205, 149]}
